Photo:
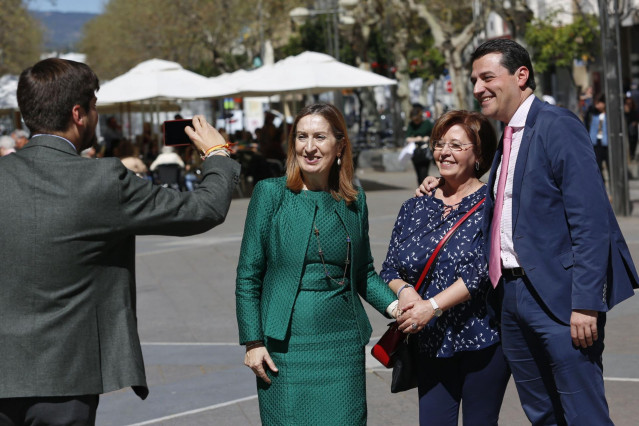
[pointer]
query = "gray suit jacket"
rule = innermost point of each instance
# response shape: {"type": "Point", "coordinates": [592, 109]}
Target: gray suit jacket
{"type": "Point", "coordinates": [67, 264]}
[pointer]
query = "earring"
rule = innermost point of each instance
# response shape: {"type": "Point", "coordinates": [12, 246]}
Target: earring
{"type": "Point", "coordinates": [339, 161]}
{"type": "Point", "coordinates": [477, 165]}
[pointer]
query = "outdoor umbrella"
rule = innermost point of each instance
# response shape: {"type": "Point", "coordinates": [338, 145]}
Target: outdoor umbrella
{"type": "Point", "coordinates": [233, 79]}
{"type": "Point", "coordinates": [308, 73]}
{"type": "Point", "coordinates": [159, 79]}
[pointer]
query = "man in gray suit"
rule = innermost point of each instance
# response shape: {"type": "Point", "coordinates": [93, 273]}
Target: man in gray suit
{"type": "Point", "coordinates": [68, 327]}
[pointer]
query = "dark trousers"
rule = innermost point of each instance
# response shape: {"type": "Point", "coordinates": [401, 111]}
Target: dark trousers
{"type": "Point", "coordinates": [479, 378]}
{"type": "Point", "coordinates": [49, 411]}
{"type": "Point", "coordinates": [558, 383]}
{"type": "Point", "coordinates": [601, 155]}
{"type": "Point", "coordinates": [421, 170]}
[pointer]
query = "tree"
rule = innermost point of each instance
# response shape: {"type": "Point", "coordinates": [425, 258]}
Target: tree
{"type": "Point", "coordinates": [20, 37]}
{"type": "Point", "coordinates": [208, 36]}
{"type": "Point", "coordinates": [516, 15]}
{"type": "Point", "coordinates": [311, 36]}
{"type": "Point", "coordinates": [395, 42]}
{"type": "Point", "coordinates": [454, 27]}
{"type": "Point", "coordinates": [130, 32]}
{"type": "Point", "coordinates": [555, 45]}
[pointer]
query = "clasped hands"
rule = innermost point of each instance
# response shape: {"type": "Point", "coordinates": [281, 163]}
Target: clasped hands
{"type": "Point", "coordinates": [412, 309]}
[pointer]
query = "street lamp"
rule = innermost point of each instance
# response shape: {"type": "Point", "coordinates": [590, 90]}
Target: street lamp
{"type": "Point", "coordinates": [299, 15]}
{"type": "Point", "coordinates": [617, 133]}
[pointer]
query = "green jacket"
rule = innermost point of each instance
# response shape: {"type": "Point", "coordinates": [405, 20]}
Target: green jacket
{"type": "Point", "coordinates": [425, 128]}
{"type": "Point", "coordinates": [276, 235]}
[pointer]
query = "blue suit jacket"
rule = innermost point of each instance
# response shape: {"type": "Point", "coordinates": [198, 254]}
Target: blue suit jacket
{"type": "Point", "coordinates": [565, 233]}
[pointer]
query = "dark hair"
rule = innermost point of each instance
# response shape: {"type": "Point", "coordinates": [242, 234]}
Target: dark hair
{"type": "Point", "coordinates": [340, 179]}
{"type": "Point", "coordinates": [513, 56]}
{"type": "Point", "coordinates": [416, 111]}
{"type": "Point", "coordinates": [478, 129]}
{"type": "Point", "coordinates": [48, 91]}
{"type": "Point", "coordinates": [600, 98]}
{"type": "Point", "coordinates": [122, 147]}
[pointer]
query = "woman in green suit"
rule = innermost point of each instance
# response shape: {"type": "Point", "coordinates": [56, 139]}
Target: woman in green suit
{"type": "Point", "coordinates": [305, 258]}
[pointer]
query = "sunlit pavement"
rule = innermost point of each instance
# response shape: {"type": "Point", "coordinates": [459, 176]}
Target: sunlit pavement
{"type": "Point", "coordinates": [186, 314]}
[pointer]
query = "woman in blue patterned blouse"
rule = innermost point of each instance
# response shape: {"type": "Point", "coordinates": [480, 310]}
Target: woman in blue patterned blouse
{"type": "Point", "coordinates": [458, 338]}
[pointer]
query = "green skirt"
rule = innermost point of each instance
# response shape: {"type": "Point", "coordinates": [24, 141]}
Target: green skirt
{"type": "Point", "coordinates": [321, 378]}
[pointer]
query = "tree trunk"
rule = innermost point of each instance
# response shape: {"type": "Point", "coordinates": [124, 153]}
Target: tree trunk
{"type": "Point", "coordinates": [453, 44]}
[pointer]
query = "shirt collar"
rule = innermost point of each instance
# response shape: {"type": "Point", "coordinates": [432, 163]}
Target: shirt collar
{"type": "Point", "coordinates": [518, 120]}
{"type": "Point", "coordinates": [56, 136]}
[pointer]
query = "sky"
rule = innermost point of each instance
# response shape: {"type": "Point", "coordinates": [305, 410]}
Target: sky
{"type": "Point", "coordinates": [87, 6]}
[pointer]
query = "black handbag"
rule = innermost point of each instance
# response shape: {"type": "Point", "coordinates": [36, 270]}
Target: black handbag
{"type": "Point", "coordinates": [422, 154]}
{"type": "Point", "coordinates": [405, 366]}
{"type": "Point", "coordinates": [404, 357]}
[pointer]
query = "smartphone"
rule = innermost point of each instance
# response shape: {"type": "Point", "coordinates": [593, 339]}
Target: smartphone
{"type": "Point", "coordinates": [174, 134]}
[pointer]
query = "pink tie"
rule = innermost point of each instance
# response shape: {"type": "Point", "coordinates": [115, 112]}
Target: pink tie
{"type": "Point", "coordinates": [494, 263]}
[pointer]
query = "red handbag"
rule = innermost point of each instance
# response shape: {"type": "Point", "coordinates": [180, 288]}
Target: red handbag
{"type": "Point", "coordinates": [384, 350]}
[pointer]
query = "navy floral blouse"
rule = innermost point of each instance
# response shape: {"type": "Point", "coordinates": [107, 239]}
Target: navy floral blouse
{"type": "Point", "coordinates": [420, 226]}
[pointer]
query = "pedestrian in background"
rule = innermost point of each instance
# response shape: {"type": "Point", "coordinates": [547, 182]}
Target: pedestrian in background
{"type": "Point", "coordinates": [7, 145]}
{"type": "Point", "coordinates": [112, 133]}
{"type": "Point", "coordinates": [418, 133]}
{"type": "Point", "coordinates": [21, 137]}
{"type": "Point", "coordinates": [632, 121]}
{"type": "Point", "coordinates": [305, 261]}
{"type": "Point", "coordinates": [599, 134]}
{"type": "Point", "coordinates": [67, 283]}
{"type": "Point", "coordinates": [586, 106]}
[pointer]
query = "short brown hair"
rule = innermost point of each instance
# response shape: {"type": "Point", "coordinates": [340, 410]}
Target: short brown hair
{"type": "Point", "coordinates": [48, 91]}
{"type": "Point", "coordinates": [340, 178]}
{"type": "Point", "coordinates": [478, 129]}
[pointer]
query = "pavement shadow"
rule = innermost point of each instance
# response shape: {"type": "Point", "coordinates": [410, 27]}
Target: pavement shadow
{"type": "Point", "coordinates": [372, 185]}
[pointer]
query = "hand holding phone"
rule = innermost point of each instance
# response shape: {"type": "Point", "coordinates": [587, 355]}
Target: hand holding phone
{"type": "Point", "coordinates": [203, 135]}
{"type": "Point", "coordinates": [174, 134]}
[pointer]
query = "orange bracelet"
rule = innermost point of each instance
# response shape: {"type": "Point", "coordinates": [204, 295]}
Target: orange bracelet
{"type": "Point", "coordinates": [216, 147]}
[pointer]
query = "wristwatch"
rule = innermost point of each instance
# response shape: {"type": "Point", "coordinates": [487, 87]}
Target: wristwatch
{"type": "Point", "coordinates": [436, 310]}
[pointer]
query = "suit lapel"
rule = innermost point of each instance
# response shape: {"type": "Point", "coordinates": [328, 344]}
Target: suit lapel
{"type": "Point", "coordinates": [522, 157]}
{"type": "Point", "coordinates": [348, 218]}
{"type": "Point", "coordinates": [490, 198]}
{"type": "Point", "coordinates": [298, 224]}
{"type": "Point", "coordinates": [493, 169]}
{"type": "Point", "coordinates": [301, 223]}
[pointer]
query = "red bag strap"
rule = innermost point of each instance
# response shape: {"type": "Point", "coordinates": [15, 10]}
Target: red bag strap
{"type": "Point", "coordinates": [443, 241]}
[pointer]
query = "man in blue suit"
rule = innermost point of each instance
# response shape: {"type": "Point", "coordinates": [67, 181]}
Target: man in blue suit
{"type": "Point", "coordinates": [558, 257]}
{"type": "Point", "coordinates": [562, 262]}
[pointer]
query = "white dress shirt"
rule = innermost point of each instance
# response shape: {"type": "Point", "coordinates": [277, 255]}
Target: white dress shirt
{"type": "Point", "coordinates": [518, 123]}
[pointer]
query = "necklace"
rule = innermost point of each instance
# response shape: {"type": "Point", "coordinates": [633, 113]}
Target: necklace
{"type": "Point", "coordinates": [448, 208]}
{"type": "Point", "coordinates": [321, 255]}
{"type": "Point", "coordinates": [347, 261]}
